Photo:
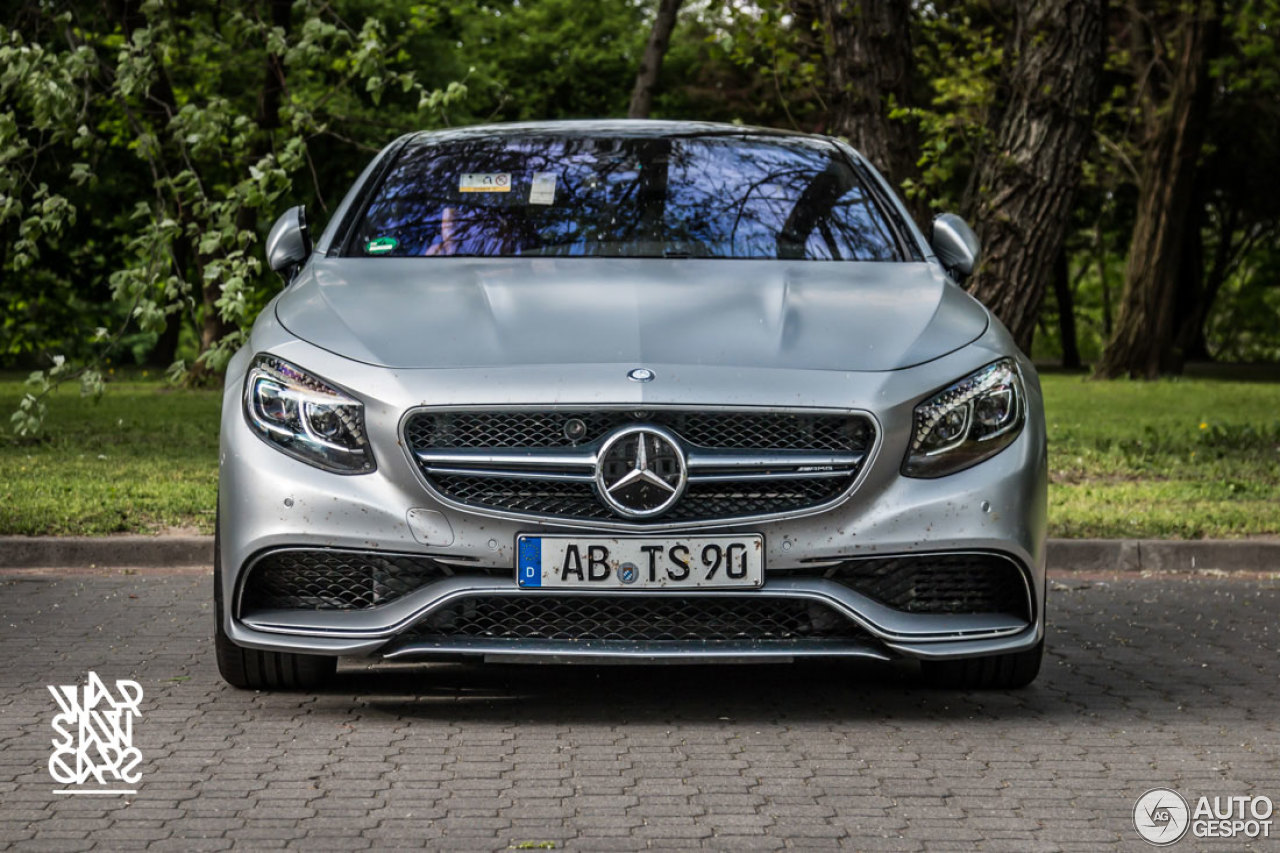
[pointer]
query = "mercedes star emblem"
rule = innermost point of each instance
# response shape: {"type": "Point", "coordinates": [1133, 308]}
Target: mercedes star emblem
{"type": "Point", "coordinates": [641, 471]}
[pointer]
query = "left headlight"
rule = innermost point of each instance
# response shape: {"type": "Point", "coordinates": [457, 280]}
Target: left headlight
{"type": "Point", "coordinates": [306, 417]}
{"type": "Point", "coordinates": [967, 422]}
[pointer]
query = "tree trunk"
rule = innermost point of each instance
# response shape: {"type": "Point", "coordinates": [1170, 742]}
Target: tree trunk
{"type": "Point", "coordinates": [1027, 179]}
{"type": "Point", "coordinates": [1189, 287]}
{"type": "Point", "coordinates": [1190, 340]}
{"type": "Point", "coordinates": [1066, 313]}
{"type": "Point", "coordinates": [869, 68]}
{"type": "Point", "coordinates": [651, 64]}
{"type": "Point", "coordinates": [1104, 280]}
{"type": "Point", "coordinates": [165, 351]}
{"type": "Point", "coordinates": [213, 327]}
{"type": "Point", "coordinates": [1175, 119]}
{"type": "Point", "coordinates": [156, 110]}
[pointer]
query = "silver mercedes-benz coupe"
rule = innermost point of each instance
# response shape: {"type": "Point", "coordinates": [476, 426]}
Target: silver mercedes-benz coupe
{"type": "Point", "coordinates": [628, 391]}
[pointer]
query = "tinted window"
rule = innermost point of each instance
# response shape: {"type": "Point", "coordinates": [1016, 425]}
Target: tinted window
{"type": "Point", "coordinates": [694, 196]}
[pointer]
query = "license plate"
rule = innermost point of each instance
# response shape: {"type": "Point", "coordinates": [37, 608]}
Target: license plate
{"type": "Point", "coordinates": [640, 563]}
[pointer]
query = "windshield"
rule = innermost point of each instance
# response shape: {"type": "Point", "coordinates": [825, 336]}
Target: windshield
{"type": "Point", "coordinates": [634, 197]}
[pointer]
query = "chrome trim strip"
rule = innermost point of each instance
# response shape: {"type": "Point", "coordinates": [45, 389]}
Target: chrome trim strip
{"type": "Point", "coordinates": [563, 651]}
{"type": "Point", "coordinates": [513, 474]}
{"type": "Point", "coordinates": [484, 463]}
{"type": "Point", "coordinates": [509, 459]}
{"type": "Point", "coordinates": [747, 477]}
{"type": "Point", "coordinates": [941, 651]}
{"type": "Point", "coordinates": [737, 459]}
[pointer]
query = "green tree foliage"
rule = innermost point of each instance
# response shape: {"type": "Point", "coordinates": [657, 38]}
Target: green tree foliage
{"type": "Point", "coordinates": [142, 157]}
{"type": "Point", "coordinates": [551, 59]}
{"type": "Point", "coordinates": [146, 146]}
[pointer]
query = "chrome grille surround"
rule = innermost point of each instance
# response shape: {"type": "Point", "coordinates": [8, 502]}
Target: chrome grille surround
{"type": "Point", "coordinates": [744, 464]}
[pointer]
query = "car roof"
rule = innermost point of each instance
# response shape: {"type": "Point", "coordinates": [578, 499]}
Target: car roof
{"type": "Point", "coordinates": [632, 128]}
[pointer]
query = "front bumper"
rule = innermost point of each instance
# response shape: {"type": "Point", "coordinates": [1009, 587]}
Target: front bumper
{"type": "Point", "coordinates": [269, 501]}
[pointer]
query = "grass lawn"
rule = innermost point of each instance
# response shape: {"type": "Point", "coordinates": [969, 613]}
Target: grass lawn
{"type": "Point", "coordinates": [1184, 459]}
{"type": "Point", "coordinates": [142, 459]}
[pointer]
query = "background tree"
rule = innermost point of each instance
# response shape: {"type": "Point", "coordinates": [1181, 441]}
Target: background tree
{"type": "Point", "coordinates": [1173, 45]}
{"type": "Point", "coordinates": [146, 148]}
{"type": "Point", "coordinates": [1234, 219]}
{"type": "Point", "coordinates": [651, 64]}
{"type": "Point", "coordinates": [202, 118]}
{"type": "Point", "coordinates": [1024, 185]}
{"type": "Point", "coordinates": [867, 48]}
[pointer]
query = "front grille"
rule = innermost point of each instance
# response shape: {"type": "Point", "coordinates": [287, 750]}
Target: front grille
{"type": "Point", "coordinates": [525, 462]}
{"type": "Point", "coordinates": [634, 618]}
{"type": "Point", "coordinates": [326, 579]}
{"type": "Point", "coordinates": [740, 431]}
{"type": "Point", "coordinates": [942, 583]}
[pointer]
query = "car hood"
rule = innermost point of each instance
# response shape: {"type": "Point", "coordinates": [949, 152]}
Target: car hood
{"type": "Point", "coordinates": [485, 312]}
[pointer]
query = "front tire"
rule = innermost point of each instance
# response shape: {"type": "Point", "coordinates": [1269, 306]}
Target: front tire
{"type": "Point", "coordinates": [996, 672]}
{"type": "Point", "coordinates": [253, 669]}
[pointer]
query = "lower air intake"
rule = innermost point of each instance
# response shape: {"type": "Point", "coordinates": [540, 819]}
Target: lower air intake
{"type": "Point", "coordinates": [329, 579]}
{"type": "Point", "coordinates": [935, 583]}
{"type": "Point", "coordinates": [630, 618]}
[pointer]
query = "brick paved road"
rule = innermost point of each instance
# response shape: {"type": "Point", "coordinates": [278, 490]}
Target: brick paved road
{"type": "Point", "coordinates": [1157, 681]}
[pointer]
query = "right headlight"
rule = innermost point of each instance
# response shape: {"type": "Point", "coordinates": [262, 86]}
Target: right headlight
{"type": "Point", "coordinates": [967, 422]}
{"type": "Point", "coordinates": [306, 417]}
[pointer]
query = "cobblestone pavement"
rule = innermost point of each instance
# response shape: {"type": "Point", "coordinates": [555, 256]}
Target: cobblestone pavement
{"type": "Point", "coordinates": [1169, 680]}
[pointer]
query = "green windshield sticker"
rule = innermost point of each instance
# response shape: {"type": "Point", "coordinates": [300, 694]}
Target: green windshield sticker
{"type": "Point", "coordinates": [381, 245]}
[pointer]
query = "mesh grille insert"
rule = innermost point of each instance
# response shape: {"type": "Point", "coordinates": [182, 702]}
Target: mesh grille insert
{"type": "Point", "coordinates": [634, 618]}
{"type": "Point", "coordinates": [323, 579]}
{"type": "Point", "coordinates": [730, 430]}
{"type": "Point", "coordinates": [944, 583]}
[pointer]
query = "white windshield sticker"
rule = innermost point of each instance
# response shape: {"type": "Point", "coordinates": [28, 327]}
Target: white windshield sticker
{"type": "Point", "coordinates": [485, 182]}
{"type": "Point", "coordinates": [543, 189]}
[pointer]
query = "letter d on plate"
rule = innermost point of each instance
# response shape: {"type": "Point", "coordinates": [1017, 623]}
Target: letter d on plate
{"type": "Point", "coordinates": [529, 562]}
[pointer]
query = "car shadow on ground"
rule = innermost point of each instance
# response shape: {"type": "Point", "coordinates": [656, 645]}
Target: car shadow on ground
{"type": "Point", "coordinates": [764, 693]}
{"type": "Point", "coordinates": [1129, 649]}
{"type": "Point", "coordinates": [1109, 658]}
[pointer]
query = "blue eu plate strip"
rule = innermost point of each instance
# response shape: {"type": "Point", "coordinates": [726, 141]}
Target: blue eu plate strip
{"type": "Point", "coordinates": [529, 561]}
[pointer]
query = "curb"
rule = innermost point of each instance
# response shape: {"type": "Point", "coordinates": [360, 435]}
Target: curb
{"type": "Point", "coordinates": [1164, 555]}
{"type": "Point", "coordinates": [39, 552]}
{"type": "Point", "coordinates": [1089, 555]}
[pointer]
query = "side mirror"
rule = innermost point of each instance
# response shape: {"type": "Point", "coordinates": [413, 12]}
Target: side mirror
{"type": "Point", "coordinates": [956, 245]}
{"type": "Point", "coordinates": [289, 242]}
